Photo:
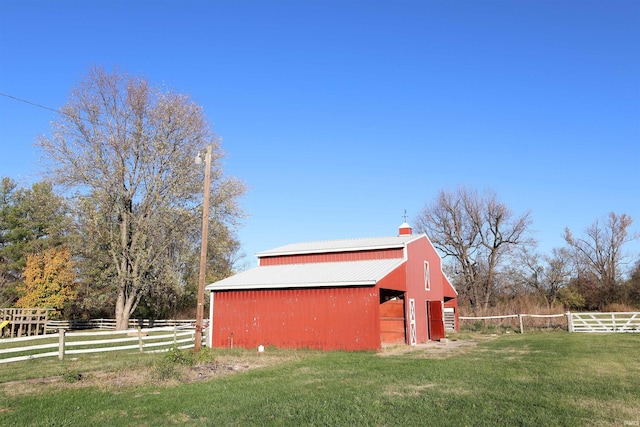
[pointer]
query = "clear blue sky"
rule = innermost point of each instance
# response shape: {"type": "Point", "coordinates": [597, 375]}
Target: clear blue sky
{"type": "Point", "coordinates": [341, 114]}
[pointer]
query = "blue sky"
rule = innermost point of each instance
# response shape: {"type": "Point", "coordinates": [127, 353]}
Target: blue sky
{"type": "Point", "coordinates": [341, 114]}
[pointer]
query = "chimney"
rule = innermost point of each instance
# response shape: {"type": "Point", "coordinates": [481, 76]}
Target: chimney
{"type": "Point", "coordinates": [405, 229]}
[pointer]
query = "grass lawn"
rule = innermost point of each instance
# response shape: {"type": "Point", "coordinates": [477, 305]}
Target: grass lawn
{"type": "Point", "coordinates": [537, 379]}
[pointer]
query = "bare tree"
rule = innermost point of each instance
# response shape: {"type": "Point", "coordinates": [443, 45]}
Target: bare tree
{"type": "Point", "coordinates": [599, 254]}
{"type": "Point", "coordinates": [126, 149]}
{"type": "Point", "coordinates": [544, 275]}
{"type": "Point", "coordinates": [477, 232]}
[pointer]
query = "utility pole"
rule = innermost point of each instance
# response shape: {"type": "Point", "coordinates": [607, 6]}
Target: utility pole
{"type": "Point", "coordinates": [203, 247]}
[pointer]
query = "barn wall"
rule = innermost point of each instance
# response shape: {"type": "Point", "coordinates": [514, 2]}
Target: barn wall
{"type": "Point", "coordinates": [419, 251]}
{"type": "Point", "coordinates": [333, 257]}
{"type": "Point", "coordinates": [328, 319]}
{"type": "Point", "coordinates": [396, 280]}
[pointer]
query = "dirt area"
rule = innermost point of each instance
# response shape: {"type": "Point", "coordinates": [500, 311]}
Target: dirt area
{"type": "Point", "coordinates": [431, 349]}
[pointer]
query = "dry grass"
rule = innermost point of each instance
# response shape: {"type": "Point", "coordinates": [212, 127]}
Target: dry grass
{"type": "Point", "coordinates": [407, 390]}
{"type": "Point", "coordinates": [430, 350]}
{"type": "Point", "coordinates": [118, 380]}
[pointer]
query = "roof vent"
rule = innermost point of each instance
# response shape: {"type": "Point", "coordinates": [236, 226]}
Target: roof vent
{"type": "Point", "coordinates": [405, 229]}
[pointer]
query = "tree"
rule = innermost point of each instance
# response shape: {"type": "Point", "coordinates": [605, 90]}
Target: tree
{"type": "Point", "coordinates": [126, 149]}
{"type": "Point", "coordinates": [478, 233]}
{"type": "Point", "coordinates": [633, 285]}
{"type": "Point", "coordinates": [599, 254]}
{"type": "Point", "coordinates": [545, 275]}
{"type": "Point", "coordinates": [31, 220]}
{"type": "Point", "coordinates": [49, 280]}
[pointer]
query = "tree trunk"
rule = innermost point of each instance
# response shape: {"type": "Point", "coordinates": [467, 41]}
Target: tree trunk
{"type": "Point", "coordinates": [122, 314]}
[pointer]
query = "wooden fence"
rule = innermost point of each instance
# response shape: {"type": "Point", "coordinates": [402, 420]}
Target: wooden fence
{"type": "Point", "coordinates": [604, 322]}
{"type": "Point", "coordinates": [18, 322]}
{"type": "Point", "coordinates": [510, 320]}
{"type": "Point", "coordinates": [67, 343]}
{"type": "Point", "coordinates": [573, 322]}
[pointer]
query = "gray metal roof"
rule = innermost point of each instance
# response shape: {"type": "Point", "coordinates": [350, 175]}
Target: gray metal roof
{"type": "Point", "coordinates": [345, 245]}
{"type": "Point", "coordinates": [321, 274]}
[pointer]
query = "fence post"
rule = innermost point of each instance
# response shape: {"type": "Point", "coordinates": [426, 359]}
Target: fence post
{"type": "Point", "coordinates": [61, 333]}
{"type": "Point", "coordinates": [140, 338]}
{"type": "Point", "coordinates": [613, 322]}
{"type": "Point", "coordinates": [520, 320]}
{"type": "Point", "coordinates": [175, 335]}
{"type": "Point", "coordinates": [569, 321]}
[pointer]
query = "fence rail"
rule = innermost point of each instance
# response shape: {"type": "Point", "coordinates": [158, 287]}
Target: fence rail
{"type": "Point", "coordinates": [579, 322]}
{"type": "Point", "coordinates": [520, 318]}
{"type": "Point", "coordinates": [67, 343]}
{"type": "Point", "coordinates": [110, 324]}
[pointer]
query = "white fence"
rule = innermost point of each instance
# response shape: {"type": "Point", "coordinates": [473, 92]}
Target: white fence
{"type": "Point", "coordinates": [604, 322]}
{"type": "Point", "coordinates": [68, 343]}
{"type": "Point", "coordinates": [110, 324]}
{"type": "Point", "coordinates": [520, 318]}
{"type": "Point", "coordinates": [580, 322]}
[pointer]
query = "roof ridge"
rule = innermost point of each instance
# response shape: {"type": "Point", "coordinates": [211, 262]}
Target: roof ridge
{"type": "Point", "coordinates": [324, 246]}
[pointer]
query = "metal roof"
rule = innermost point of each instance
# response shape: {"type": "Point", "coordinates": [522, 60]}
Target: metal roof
{"type": "Point", "coordinates": [345, 245]}
{"type": "Point", "coordinates": [321, 274]}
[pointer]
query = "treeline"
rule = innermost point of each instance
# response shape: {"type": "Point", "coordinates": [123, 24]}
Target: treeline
{"type": "Point", "coordinates": [492, 259]}
{"type": "Point", "coordinates": [121, 235]}
{"type": "Point", "coordinates": [46, 261]}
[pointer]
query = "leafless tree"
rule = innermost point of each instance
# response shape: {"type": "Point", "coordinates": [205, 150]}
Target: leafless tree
{"type": "Point", "coordinates": [478, 232]}
{"type": "Point", "coordinates": [599, 254]}
{"type": "Point", "coordinates": [125, 149]}
{"type": "Point", "coordinates": [543, 274]}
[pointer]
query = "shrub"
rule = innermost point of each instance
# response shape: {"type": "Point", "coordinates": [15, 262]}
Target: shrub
{"type": "Point", "coordinates": [172, 364]}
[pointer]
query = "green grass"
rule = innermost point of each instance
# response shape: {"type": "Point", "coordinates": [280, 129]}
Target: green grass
{"type": "Point", "coordinates": [532, 379]}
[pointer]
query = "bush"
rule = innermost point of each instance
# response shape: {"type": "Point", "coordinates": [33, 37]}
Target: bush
{"type": "Point", "coordinates": [172, 364]}
{"type": "Point", "coordinates": [71, 376]}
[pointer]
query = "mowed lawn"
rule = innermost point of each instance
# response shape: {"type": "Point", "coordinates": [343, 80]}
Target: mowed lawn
{"type": "Point", "coordinates": [535, 379]}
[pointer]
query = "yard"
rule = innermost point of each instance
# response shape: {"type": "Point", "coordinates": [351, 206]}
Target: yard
{"type": "Point", "coordinates": [514, 379]}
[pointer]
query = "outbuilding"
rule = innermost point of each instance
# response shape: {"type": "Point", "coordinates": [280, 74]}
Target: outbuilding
{"type": "Point", "coordinates": [352, 294]}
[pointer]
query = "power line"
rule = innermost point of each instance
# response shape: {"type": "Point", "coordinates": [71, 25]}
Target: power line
{"type": "Point", "coordinates": [35, 104]}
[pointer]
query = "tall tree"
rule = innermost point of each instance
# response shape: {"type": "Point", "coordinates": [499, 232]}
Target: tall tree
{"type": "Point", "coordinates": [126, 148]}
{"type": "Point", "coordinates": [478, 233]}
{"type": "Point", "coordinates": [599, 254]}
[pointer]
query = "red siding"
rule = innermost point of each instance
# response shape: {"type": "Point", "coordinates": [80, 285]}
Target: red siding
{"type": "Point", "coordinates": [332, 257]}
{"type": "Point", "coordinates": [396, 280]}
{"type": "Point", "coordinates": [329, 319]}
{"type": "Point", "coordinates": [420, 251]}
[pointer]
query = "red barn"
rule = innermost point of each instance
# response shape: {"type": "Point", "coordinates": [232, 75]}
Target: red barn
{"type": "Point", "coordinates": [353, 294]}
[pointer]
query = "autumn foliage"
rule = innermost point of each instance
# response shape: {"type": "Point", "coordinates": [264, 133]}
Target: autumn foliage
{"type": "Point", "coordinates": [48, 280]}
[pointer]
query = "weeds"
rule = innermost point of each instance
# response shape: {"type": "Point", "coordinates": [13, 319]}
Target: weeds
{"type": "Point", "coordinates": [172, 364]}
{"type": "Point", "coordinates": [71, 376]}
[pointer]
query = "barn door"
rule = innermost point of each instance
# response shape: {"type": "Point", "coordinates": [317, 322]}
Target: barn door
{"type": "Point", "coordinates": [435, 320]}
{"type": "Point", "coordinates": [392, 321]}
{"type": "Point", "coordinates": [412, 322]}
